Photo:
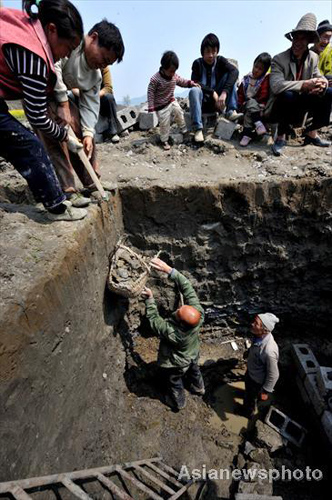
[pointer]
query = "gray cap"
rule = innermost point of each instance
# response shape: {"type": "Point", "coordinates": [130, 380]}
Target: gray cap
{"type": "Point", "coordinates": [269, 320]}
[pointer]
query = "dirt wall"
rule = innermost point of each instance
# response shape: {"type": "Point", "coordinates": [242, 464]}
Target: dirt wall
{"type": "Point", "coordinates": [250, 246]}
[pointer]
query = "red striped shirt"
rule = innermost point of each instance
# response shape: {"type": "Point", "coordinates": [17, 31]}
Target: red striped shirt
{"type": "Point", "coordinates": [161, 90]}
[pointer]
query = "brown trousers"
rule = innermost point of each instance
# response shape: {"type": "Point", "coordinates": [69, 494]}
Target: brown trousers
{"type": "Point", "coordinates": [65, 163]}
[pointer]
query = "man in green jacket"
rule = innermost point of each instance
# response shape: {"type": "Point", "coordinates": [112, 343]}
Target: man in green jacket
{"type": "Point", "coordinates": [179, 338]}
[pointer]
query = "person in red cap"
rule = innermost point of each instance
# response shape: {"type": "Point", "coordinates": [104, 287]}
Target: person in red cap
{"type": "Point", "coordinates": [179, 338]}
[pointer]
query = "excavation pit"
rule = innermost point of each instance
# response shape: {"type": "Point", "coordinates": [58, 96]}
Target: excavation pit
{"type": "Point", "coordinates": [79, 386]}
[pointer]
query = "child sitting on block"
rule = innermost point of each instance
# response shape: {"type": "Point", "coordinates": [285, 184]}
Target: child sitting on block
{"type": "Point", "coordinates": [253, 94]}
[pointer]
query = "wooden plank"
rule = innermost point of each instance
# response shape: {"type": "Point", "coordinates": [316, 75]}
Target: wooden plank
{"type": "Point", "coordinates": [19, 493]}
{"type": "Point", "coordinates": [165, 475]}
{"type": "Point", "coordinates": [76, 490]}
{"type": "Point", "coordinates": [182, 490]}
{"type": "Point", "coordinates": [138, 484]}
{"type": "Point", "coordinates": [35, 482]}
{"type": "Point", "coordinates": [113, 487]}
{"type": "Point", "coordinates": [155, 479]}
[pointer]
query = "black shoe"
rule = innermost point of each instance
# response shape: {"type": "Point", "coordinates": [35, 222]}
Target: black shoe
{"type": "Point", "coordinates": [200, 391]}
{"type": "Point", "coordinates": [176, 400]}
{"type": "Point", "coordinates": [317, 141]}
{"type": "Point", "coordinates": [278, 146]}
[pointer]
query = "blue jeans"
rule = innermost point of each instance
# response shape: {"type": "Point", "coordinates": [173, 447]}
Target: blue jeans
{"type": "Point", "coordinates": [197, 106]}
{"type": "Point", "coordinates": [26, 153]}
{"type": "Point", "coordinates": [290, 108]}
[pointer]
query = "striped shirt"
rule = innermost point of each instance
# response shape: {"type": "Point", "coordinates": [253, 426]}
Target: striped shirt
{"type": "Point", "coordinates": [161, 90]}
{"type": "Point", "coordinates": [32, 73]}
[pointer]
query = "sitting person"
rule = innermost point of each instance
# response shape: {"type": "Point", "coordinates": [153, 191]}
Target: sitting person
{"type": "Point", "coordinates": [253, 94]}
{"type": "Point", "coordinates": [324, 50]}
{"type": "Point", "coordinates": [108, 105]}
{"type": "Point", "coordinates": [217, 91]}
{"type": "Point", "coordinates": [161, 96]}
{"type": "Point", "coordinates": [297, 87]}
{"type": "Point", "coordinates": [179, 338]}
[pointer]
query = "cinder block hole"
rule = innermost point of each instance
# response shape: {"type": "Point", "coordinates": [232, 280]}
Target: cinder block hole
{"type": "Point", "coordinates": [276, 419]}
{"type": "Point", "coordinates": [329, 375]}
{"type": "Point", "coordinates": [294, 431]}
{"type": "Point", "coordinates": [132, 114]}
{"type": "Point", "coordinates": [124, 118]}
{"type": "Point", "coordinates": [310, 364]}
{"type": "Point", "coordinates": [303, 350]}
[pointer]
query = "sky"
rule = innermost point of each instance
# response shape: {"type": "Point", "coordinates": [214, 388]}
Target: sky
{"type": "Point", "coordinates": [244, 27]}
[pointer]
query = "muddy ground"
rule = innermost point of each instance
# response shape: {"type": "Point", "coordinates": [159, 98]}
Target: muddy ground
{"type": "Point", "coordinates": [126, 419]}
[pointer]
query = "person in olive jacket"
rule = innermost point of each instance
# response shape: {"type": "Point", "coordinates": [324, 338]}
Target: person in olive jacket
{"type": "Point", "coordinates": [179, 338]}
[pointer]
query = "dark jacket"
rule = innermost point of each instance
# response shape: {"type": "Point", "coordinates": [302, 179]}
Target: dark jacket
{"type": "Point", "coordinates": [178, 347]}
{"type": "Point", "coordinates": [223, 66]}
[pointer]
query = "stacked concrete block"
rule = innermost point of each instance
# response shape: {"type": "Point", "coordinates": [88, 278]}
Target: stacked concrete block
{"type": "Point", "coordinates": [316, 399]}
{"type": "Point", "coordinates": [147, 120]}
{"type": "Point", "coordinates": [208, 119]}
{"type": "Point", "coordinates": [254, 496]}
{"type": "Point", "coordinates": [289, 429]}
{"type": "Point", "coordinates": [305, 360]}
{"type": "Point", "coordinates": [303, 392]}
{"type": "Point", "coordinates": [324, 380]}
{"type": "Point", "coordinates": [127, 117]}
{"type": "Point", "coordinates": [326, 421]}
{"type": "Point", "coordinates": [224, 129]}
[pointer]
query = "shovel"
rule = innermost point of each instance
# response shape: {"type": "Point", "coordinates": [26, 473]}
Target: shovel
{"type": "Point", "coordinates": [89, 168]}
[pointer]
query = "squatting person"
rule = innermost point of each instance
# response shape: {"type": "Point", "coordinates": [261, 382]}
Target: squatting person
{"type": "Point", "coordinates": [179, 338]}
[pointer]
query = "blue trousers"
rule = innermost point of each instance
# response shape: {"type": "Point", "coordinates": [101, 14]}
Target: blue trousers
{"type": "Point", "coordinates": [26, 153]}
{"type": "Point", "coordinates": [290, 108]}
{"type": "Point", "coordinates": [197, 106]}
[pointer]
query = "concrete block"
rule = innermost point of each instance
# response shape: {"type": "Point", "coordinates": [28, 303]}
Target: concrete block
{"type": "Point", "coordinates": [255, 496]}
{"type": "Point", "coordinates": [301, 388]}
{"type": "Point", "coordinates": [127, 117]}
{"type": "Point", "coordinates": [268, 437]}
{"type": "Point", "coordinates": [224, 129]}
{"type": "Point", "coordinates": [290, 430]}
{"type": "Point", "coordinates": [176, 138]}
{"type": "Point", "coordinates": [304, 359]}
{"type": "Point", "coordinates": [324, 380]}
{"type": "Point", "coordinates": [316, 399]}
{"type": "Point", "coordinates": [327, 424]}
{"type": "Point", "coordinates": [147, 120]}
{"type": "Point", "coordinates": [187, 119]}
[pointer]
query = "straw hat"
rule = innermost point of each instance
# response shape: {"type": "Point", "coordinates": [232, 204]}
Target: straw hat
{"type": "Point", "coordinates": [306, 24]}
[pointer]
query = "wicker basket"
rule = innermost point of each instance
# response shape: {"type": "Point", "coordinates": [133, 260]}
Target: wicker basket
{"type": "Point", "coordinates": [131, 288]}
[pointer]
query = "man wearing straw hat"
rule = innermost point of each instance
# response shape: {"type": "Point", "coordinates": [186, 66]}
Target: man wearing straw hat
{"type": "Point", "coordinates": [297, 87]}
{"type": "Point", "coordinates": [179, 338]}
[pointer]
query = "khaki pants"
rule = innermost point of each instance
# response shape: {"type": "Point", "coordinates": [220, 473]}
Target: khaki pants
{"type": "Point", "coordinates": [65, 163]}
{"type": "Point", "coordinates": [171, 112]}
{"type": "Point", "coordinates": [251, 113]}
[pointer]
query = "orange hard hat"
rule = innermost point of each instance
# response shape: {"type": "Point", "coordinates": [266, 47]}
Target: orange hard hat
{"type": "Point", "coordinates": [189, 315]}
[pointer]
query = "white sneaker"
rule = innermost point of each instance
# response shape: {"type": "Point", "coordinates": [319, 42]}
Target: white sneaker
{"type": "Point", "coordinates": [78, 200]}
{"type": "Point", "coordinates": [233, 115]}
{"type": "Point", "coordinates": [115, 139]}
{"type": "Point", "coordinates": [70, 214]}
{"type": "Point", "coordinates": [199, 137]}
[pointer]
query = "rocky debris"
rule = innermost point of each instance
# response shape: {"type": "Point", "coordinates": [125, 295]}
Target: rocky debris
{"type": "Point", "coordinates": [265, 436]}
{"type": "Point", "coordinates": [4, 165]}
